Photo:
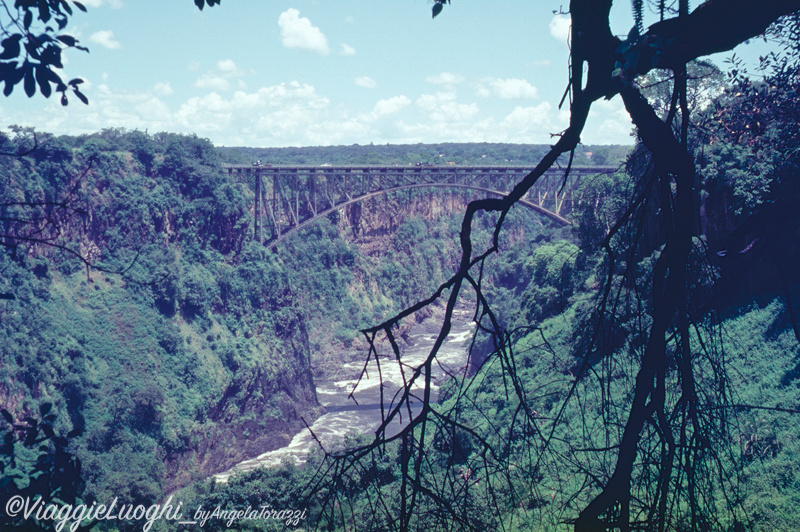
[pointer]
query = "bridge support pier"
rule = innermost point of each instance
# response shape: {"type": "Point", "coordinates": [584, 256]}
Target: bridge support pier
{"type": "Point", "coordinates": [292, 196]}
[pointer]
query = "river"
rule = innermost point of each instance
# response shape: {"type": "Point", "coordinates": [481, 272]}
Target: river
{"type": "Point", "coordinates": [345, 416]}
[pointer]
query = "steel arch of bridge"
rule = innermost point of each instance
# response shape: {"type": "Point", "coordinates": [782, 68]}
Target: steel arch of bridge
{"type": "Point", "coordinates": [292, 197]}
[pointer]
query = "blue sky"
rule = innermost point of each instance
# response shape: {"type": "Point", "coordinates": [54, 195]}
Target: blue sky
{"type": "Point", "coordinates": [322, 72]}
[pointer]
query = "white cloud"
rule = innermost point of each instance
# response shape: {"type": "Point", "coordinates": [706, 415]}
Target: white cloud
{"type": "Point", "coordinates": [163, 89]}
{"type": "Point", "coordinates": [608, 123]}
{"type": "Point", "coordinates": [347, 50]}
{"type": "Point", "coordinates": [153, 109]}
{"type": "Point", "coordinates": [559, 28]}
{"type": "Point", "coordinates": [443, 107]}
{"type": "Point", "coordinates": [530, 119]}
{"type": "Point", "coordinates": [511, 88]}
{"type": "Point", "coordinates": [227, 65]}
{"type": "Point", "coordinates": [116, 4]}
{"type": "Point", "coordinates": [445, 78]}
{"type": "Point", "coordinates": [105, 38]}
{"type": "Point", "coordinates": [276, 115]}
{"type": "Point", "coordinates": [222, 77]}
{"type": "Point", "coordinates": [213, 82]}
{"type": "Point", "coordinates": [297, 32]}
{"type": "Point", "coordinates": [390, 106]}
{"type": "Point", "coordinates": [366, 82]}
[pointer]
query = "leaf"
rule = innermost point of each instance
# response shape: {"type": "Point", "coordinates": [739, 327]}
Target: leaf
{"type": "Point", "coordinates": [69, 40]}
{"type": "Point", "coordinates": [30, 438]}
{"type": "Point", "coordinates": [13, 77]}
{"type": "Point", "coordinates": [44, 11]}
{"type": "Point", "coordinates": [32, 47]}
{"type": "Point", "coordinates": [7, 416]}
{"type": "Point", "coordinates": [30, 90]}
{"type": "Point", "coordinates": [52, 56]}
{"type": "Point", "coordinates": [79, 6]}
{"type": "Point", "coordinates": [200, 4]}
{"type": "Point", "coordinates": [43, 79]}
{"type": "Point", "coordinates": [81, 96]}
{"type": "Point", "coordinates": [28, 19]}
{"type": "Point", "coordinates": [64, 100]}
{"type": "Point", "coordinates": [48, 431]}
{"type": "Point", "coordinates": [437, 8]}
{"type": "Point", "coordinates": [11, 48]}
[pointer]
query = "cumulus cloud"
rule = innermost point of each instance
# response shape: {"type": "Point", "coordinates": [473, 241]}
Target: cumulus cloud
{"type": "Point", "coordinates": [559, 28]}
{"type": "Point", "coordinates": [227, 65]}
{"type": "Point", "coordinates": [163, 89]}
{"type": "Point", "coordinates": [526, 119]}
{"type": "Point", "coordinates": [366, 82]}
{"type": "Point", "coordinates": [511, 88]}
{"type": "Point", "coordinates": [105, 38]}
{"type": "Point", "coordinates": [222, 77]}
{"type": "Point", "coordinates": [390, 106]}
{"type": "Point", "coordinates": [275, 115]}
{"type": "Point", "coordinates": [347, 50]}
{"type": "Point", "coordinates": [534, 124]}
{"type": "Point", "coordinates": [443, 107]}
{"type": "Point", "coordinates": [608, 123]}
{"type": "Point", "coordinates": [214, 83]}
{"type": "Point", "coordinates": [297, 32]}
{"type": "Point", "coordinates": [116, 4]}
{"type": "Point", "coordinates": [152, 109]}
{"type": "Point", "coordinates": [445, 78]}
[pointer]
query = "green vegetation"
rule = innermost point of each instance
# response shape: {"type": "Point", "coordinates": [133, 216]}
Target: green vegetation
{"type": "Point", "coordinates": [405, 154]}
{"type": "Point", "coordinates": [136, 303]}
{"type": "Point", "coordinates": [170, 345]}
{"type": "Point", "coordinates": [531, 448]}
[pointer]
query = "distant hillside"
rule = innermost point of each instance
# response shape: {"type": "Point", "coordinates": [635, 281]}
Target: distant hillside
{"type": "Point", "coordinates": [459, 153]}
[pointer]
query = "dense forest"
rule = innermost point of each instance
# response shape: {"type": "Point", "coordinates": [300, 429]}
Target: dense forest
{"type": "Point", "coordinates": [522, 443]}
{"type": "Point", "coordinates": [402, 154]}
{"type": "Point", "coordinates": [140, 318]}
{"type": "Point", "coordinates": [638, 369]}
{"type": "Point", "coordinates": [148, 342]}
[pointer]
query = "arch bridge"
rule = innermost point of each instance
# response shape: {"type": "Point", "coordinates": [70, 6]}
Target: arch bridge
{"type": "Point", "coordinates": [289, 197]}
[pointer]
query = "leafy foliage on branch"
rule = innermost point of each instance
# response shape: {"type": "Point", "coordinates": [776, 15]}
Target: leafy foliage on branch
{"type": "Point", "coordinates": [33, 42]}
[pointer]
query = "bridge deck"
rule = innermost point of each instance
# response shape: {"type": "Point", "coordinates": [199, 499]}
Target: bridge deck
{"type": "Point", "coordinates": [291, 196]}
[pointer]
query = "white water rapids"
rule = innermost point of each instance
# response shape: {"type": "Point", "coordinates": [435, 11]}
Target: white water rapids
{"type": "Point", "coordinates": [345, 416]}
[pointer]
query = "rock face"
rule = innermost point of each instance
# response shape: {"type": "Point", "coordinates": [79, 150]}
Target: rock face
{"type": "Point", "coordinates": [260, 411]}
{"type": "Point", "coordinates": [371, 223]}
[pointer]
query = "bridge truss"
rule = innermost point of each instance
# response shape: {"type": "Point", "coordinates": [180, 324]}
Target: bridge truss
{"type": "Point", "coordinates": [290, 197]}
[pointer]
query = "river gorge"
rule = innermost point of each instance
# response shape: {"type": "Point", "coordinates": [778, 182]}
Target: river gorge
{"type": "Point", "coordinates": [361, 413]}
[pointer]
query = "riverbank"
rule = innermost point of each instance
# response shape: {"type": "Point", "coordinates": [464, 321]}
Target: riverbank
{"type": "Point", "coordinates": [353, 399]}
